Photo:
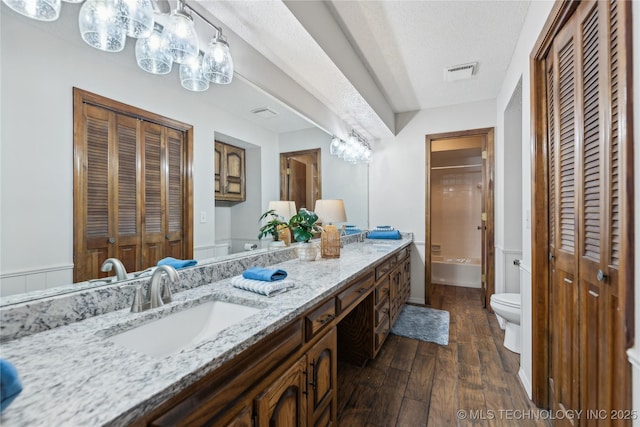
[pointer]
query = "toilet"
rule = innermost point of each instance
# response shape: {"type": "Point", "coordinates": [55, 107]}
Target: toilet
{"type": "Point", "coordinates": [507, 307]}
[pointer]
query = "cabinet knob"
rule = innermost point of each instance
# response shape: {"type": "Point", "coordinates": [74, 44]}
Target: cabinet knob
{"type": "Point", "coordinates": [601, 276]}
{"type": "Point", "coordinates": [112, 240]}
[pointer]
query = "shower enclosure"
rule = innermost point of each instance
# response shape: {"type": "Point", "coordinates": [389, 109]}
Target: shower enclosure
{"type": "Point", "coordinates": [458, 219]}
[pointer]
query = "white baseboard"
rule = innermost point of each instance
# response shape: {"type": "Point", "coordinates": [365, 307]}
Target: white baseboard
{"type": "Point", "coordinates": [414, 300]}
{"type": "Point", "coordinates": [525, 382]}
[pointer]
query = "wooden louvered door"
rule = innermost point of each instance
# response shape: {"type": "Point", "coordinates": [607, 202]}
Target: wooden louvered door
{"type": "Point", "coordinates": [564, 305]}
{"type": "Point", "coordinates": [588, 368]}
{"type": "Point", "coordinates": [131, 189]}
{"type": "Point", "coordinates": [109, 222]}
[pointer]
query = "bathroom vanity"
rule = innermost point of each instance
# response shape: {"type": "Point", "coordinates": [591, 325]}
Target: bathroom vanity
{"type": "Point", "coordinates": [278, 363]}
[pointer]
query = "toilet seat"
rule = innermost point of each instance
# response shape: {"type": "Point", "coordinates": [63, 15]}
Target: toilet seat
{"type": "Point", "coordinates": [507, 300]}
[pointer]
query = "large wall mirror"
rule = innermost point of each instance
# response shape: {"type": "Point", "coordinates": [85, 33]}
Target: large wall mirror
{"type": "Point", "coordinates": [36, 249]}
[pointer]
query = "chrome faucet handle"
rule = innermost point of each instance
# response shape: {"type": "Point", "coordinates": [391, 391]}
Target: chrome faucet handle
{"type": "Point", "coordinates": [121, 272]}
{"type": "Point", "coordinates": [158, 298]}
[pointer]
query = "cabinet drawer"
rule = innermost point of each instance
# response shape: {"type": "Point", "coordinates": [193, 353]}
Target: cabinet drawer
{"type": "Point", "coordinates": [359, 288]}
{"type": "Point", "coordinates": [382, 312]}
{"type": "Point", "coordinates": [381, 333]}
{"type": "Point", "coordinates": [383, 269]}
{"type": "Point", "coordinates": [402, 254]}
{"type": "Point", "coordinates": [382, 290]}
{"type": "Point", "coordinates": [319, 318]}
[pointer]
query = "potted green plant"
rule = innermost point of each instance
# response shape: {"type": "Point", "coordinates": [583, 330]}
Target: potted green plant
{"type": "Point", "coordinates": [273, 227]}
{"type": "Point", "coordinates": [304, 226]}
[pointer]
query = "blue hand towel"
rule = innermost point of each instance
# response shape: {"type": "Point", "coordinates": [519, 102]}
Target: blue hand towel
{"type": "Point", "coordinates": [394, 235]}
{"type": "Point", "coordinates": [264, 274]}
{"type": "Point", "coordinates": [177, 263]}
{"type": "Point", "coordinates": [10, 385]}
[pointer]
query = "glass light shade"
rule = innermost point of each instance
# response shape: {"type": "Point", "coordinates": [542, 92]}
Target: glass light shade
{"type": "Point", "coordinates": [180, 37]}
{"type": "Point", "coordinates": [99, 27]}
{"type": "Point", "coordinates": [341, 147]}
{"type": "Point", "coordinates": [333, 147]}
{"type": "Point", "coordinates": [136, 17]}
{"type": "Point", "coordinates": [151, 54]}
{"type": "Point", "coordinates": [218, 64]}
{"type": "Point", "coordinates": [42, 10]}
{"type": "Point", "coordinates": [191, 76]}
{"type": "Point", "coordinates": [73, 1]}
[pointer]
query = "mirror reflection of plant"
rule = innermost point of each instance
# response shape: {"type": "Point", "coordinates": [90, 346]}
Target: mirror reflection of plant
{"type": "Point", "coordinates": [304, 225]}
{"type": "Point", "coordinates": [273, 226]}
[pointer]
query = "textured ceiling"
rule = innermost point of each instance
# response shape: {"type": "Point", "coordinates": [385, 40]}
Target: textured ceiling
{"type": "Point", "coordinates": [403, 45]}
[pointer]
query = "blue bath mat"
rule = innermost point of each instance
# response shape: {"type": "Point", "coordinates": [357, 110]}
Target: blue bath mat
{"type": "Point", "coordinates": [423, 323]}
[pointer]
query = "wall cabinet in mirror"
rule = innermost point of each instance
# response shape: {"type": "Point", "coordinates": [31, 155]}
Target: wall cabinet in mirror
{"type": "Point", "coordinates": [230, 179]}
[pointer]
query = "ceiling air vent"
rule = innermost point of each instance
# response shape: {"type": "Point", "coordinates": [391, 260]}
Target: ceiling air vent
{"type": "Point", "coordinates": [264, 112]}
{"type": "Point", "coordinates": [460, 72]}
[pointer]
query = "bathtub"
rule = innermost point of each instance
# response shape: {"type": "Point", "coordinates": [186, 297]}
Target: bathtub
{"type": "Point", "coordinates": [456, 271]}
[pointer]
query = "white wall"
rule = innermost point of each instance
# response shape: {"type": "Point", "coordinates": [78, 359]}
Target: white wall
{"type": "Point", "coordinates": [397, 174]}
{"type": "Point", "coordinates": [340, 180]}
{"type": "Point", "coordinates": [519, 70]}
{"type": "Point", "coordinates": [41, 63]}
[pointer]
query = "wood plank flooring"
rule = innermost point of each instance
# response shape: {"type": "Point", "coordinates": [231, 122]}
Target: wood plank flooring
{"type": "Point", "coordinates": [415, 383]}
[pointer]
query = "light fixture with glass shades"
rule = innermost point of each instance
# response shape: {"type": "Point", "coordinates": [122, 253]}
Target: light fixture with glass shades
{"type": "Point", "coordinates": [99, 25]}
{"type": "Point", "coordinates": [180, 37]}
{"type": "Point", "coordinates": [191, 76]}
{"type": "Point", "coordinates": [151, 54]}
{"type": "Point", "coordinates": [330, 212]}
{"type": "Point", "coordinates": [217, 65]}
{"type": "Point", "coordinates": [355, 149]}
{"type": "Point", "coordinates": [41, 10]}
{"type": "Point", "coordinates": [105, 25]}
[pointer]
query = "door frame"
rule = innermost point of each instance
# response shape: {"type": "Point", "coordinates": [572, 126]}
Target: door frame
{"type": "Point", "coordinates": [540, 301]}
{"type": "Point", "coordinates": [488, 191]}
{"type": "Point", "coordinates": [315, 155]}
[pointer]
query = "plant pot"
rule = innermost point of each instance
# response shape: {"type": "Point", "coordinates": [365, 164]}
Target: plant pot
{"type": "Point", "coordinates": [307, 252]}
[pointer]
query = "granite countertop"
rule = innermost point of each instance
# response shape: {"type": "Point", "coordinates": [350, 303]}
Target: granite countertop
{"type": "Point", "coordinates": [73, 376]}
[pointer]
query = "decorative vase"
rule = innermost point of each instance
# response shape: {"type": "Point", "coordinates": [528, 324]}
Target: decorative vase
{"type": "Point", "coordinates": [307, 251]}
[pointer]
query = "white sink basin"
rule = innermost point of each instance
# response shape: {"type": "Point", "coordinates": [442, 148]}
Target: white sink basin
{"type": "Point", "coordinates": [183, 329]}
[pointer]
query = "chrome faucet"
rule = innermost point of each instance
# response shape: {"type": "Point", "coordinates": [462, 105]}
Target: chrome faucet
{"type": "Point", "coordinates": [157, 295]}
{"type": "Point", "coordinates": [121, 273]}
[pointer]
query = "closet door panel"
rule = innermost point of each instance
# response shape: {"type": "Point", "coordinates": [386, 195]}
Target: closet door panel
{"type": "Point", "coordinates": [127, 218]}
{"type": "Point", "coordinates": [565, 302]}
{"type": "Point", "coordinates": [174, 195]}
{"type": "Point", "coordinates": [153, 215]}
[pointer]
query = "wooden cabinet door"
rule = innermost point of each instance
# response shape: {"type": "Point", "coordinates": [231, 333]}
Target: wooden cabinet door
{"type": "Point", "coordinates": [589, 371]}
{"type": "Point", "coordinates": [230, 173]}
{"type": "Point", "coordinates": [243, 419]}
{"type": "Point", "coordinates": [153, 183]}
{"type": "Point", "coordinates": [322, 371]}
{"type": "Point", "coordinates": [174, 190]}
{"type": "Point", "coordinates": [284, 403]}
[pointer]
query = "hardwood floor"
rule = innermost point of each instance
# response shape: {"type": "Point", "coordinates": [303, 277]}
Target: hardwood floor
{"type": "Point", "coordinates": [415, 383]}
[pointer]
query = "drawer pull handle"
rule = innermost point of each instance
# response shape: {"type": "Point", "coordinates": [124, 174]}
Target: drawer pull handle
{"type": "Point", "coordinates": [328, 318]}
{"type": "Point", "coordinates": [361, 290]}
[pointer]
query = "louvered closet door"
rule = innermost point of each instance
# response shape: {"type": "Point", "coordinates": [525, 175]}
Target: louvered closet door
{"type": "Point", "coordinates": [601, 349]}
{"type": "Point", "coordinates": [93, 194]}
{"type": "Point", "coordinates": [174, 245]}
{"type": "Point", "coordinates": [126, 221]}
{"type": "Point", "coordinates": [154, 180]}
{"type": "Point", "coordinates": [588, 366]}
{"type": "Point", "coordinates": [564, 306]}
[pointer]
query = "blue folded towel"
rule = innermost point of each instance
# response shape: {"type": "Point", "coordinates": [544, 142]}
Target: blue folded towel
{"type": "Point", "coordinates": [177, 263]}
{"type": "Point", "coordinates": [352, 231]}
{"type": "Point", "coordinates": [10, 385]}
{"type": "Point", "coordinates": [395, 235]}
{"type": "Point", "coordinates": [264, 274]}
